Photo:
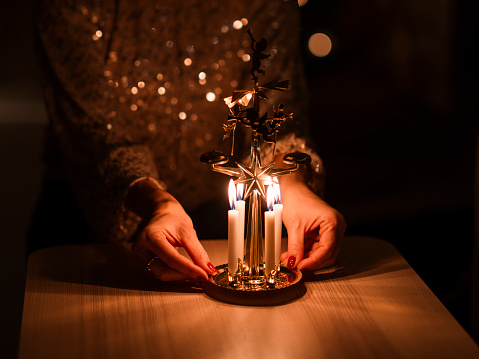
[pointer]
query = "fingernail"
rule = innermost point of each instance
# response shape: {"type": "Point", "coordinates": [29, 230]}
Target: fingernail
{"type": "Point", "coordinates": [211, 267]}
{"type": "Point", "coordinates": [202, 279]}
{"type": "Point", "coordinates": [291, 262]}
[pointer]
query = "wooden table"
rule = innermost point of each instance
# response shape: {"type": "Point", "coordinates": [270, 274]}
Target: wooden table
{"type": "Point", "coordinates": [96, 301]}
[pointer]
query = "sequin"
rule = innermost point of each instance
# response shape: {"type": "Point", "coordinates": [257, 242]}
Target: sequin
{"type": "Point", "coordinates": [238, 24]}
{"type": "Point", "coordinates": [210, 96]}
{"type": "Point", "coordinates": [165, 73]}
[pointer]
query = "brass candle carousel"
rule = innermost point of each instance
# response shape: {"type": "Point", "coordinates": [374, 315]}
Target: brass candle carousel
{"type": "Point", "coordinates": [246, 279]}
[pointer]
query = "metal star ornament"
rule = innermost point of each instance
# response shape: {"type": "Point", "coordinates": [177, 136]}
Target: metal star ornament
{"type": "Point", "coordinates": [255, 178]}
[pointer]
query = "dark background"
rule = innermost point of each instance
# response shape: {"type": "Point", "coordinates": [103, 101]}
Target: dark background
{"type": "Point", "coordinates": [394, 119]}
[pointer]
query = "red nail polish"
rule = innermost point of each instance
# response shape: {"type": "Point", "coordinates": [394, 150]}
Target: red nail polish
{"type": "Point", "coordinates": [291, 262]}
{"type": "Point", "coordinates": [211, 267]}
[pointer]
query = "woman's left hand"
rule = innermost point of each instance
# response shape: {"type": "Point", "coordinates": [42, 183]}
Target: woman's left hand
{"type": "Point", "coordinates": [315, 229]}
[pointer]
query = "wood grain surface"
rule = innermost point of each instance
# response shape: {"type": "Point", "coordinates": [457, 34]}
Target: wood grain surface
{"type": "Point", "coordinates": [97, 301]}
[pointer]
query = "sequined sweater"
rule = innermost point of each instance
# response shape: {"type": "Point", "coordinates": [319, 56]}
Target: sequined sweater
{"type": "Point", "coordinates": [134, 89]}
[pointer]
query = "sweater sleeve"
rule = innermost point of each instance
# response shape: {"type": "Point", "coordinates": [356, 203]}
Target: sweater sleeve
{"type": "Point", "coordinates": [102, 152]}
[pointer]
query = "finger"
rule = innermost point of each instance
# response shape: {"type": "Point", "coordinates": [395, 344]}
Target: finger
{"type": "Point", "coordinates": [172, 258]}
{"type": "Point", "coordinates": [164, 273]}
{"type": "Point", "coordinates": [156, 266]}
{"type": "Point", "coordinates": [197, 253]}
{"type": "Point", "coordinates": [321, 252]}
{"type": "Point", "coordinates": [295, 248]}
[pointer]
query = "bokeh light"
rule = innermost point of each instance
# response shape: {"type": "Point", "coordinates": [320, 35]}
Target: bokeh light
{"type": "Point", "coordinates": [320, 44]}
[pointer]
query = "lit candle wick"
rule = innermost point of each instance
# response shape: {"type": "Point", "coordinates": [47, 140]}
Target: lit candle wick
{"type": "Point", "coordinates": [278, 223]}
{"type": "Point", "coordinates": [240, 206]}
{"type": "Point", "coordinates": [269, 233]}
{"type": "Point", "coordinates": [233, 226]}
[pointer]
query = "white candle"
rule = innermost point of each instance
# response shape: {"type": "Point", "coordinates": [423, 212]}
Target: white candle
{"type": "Point", "coordinates": [269, 246]}
{"type": "Point", "coordinates": [278, 224]}
{"type": "Point", "coordinates": [233, 224]}
{"type": "Point", "coordinates": [240, 207]}
{"type": "Point", "coordinates": [278, 229]}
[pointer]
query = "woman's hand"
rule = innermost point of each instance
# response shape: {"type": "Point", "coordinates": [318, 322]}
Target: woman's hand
{"type": "Point", "coordinates": [315, 229]}
{"type": "Point", "coordinates": [168, 228]}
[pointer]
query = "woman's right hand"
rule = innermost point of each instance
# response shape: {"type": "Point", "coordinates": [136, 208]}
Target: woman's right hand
{"type": "Point", "coordinates": [168, 228]}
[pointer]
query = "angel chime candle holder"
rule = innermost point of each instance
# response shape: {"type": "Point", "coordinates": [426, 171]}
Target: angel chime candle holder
{"type": "Point", "coordinates": [253, 267]}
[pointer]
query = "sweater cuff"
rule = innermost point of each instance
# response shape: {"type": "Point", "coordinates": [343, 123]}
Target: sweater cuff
{"type": "Point", "coordinates": [314, 174]}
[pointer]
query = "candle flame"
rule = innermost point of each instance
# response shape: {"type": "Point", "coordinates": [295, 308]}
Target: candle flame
{"type": "Point", "coordinates": [270, 198]}
{"type": "Point", "coordinates": [277, 191]}
{"type": "Point", "coordinates": [232, 193]}
{"type": "Point", "coordinates": [240, 191]}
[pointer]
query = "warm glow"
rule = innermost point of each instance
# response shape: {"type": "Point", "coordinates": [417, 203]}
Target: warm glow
{"type": "Point", "coordinates": [277, 191]}
{"type": "Point", "coordinates": [202, 75]}
{"type": "Point", "coordinates": [161, 90]}
{"type": "Point", "coordinates": [302, 2]}
{"type": "Point", "coordinates": [182, 115]}
{"type": "Point", "coordinates": [244, 101]}
{"type": "Point", "coordinates": [232, 193]}
{"type": "Point", "coordinates": [210, 96]}
{"type": "Point", "coordinates": [270, 198]}
{"type": "Point", "coordinates": [240, 191]}
{"type": "Point", "coordinates": [187, 61]}
{"type": "Point", "coordinates": [238, 24]}
{"type": "Point", "coordinates": [229, 101]}
{"type": "Point", "coordinates": [319, 44]}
